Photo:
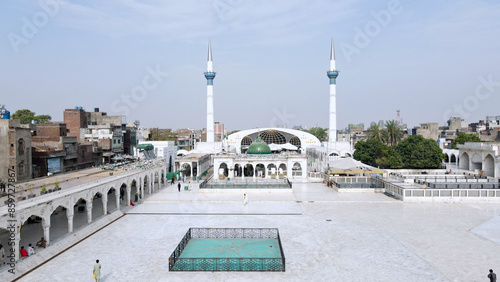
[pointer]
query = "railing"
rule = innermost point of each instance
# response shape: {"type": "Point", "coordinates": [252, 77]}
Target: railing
{"type": "Point", "coordinates": [204, 183]}
{"type": "Point", "coordinates": [460, 185]}
{"type": "Point", "coordinates": [247, 184]}
{"type": "Point", "coordinates": [178, 250]}
{"type": "Point", "coordinates": [452, 193]}
{"type": "Point", "coordinates": [390, 188]}
{"type": "Point", "coordinates": [409, 194]}
{"type": "Point", "coordinates": [455, 180]}
{"type": "Point", "coordinates": [352, 182]}
{"type": "Point", "coordinates": [227, 264]}
{"type": "Point", "coordinates": [313, 174]}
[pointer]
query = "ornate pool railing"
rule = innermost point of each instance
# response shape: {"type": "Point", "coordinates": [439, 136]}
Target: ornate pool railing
{"type": "Point", "coordinates": [227, 264]}
{"type": "Point", "coordinates": [246, 184]}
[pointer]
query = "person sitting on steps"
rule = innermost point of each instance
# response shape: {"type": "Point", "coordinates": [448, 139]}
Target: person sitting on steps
{"type": "Point", "coordinates": [42, 243]}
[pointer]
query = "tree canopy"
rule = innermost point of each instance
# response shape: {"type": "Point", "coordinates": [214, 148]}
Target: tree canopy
{"type": "Point", "coordinates": [418, 152]}
{"type": "Point", "coordinates": [376, 133]}
{"type": "Point", "coordinates": [387, 157]}
{"type": "Point", "coordinates": [366, 151]}
{"type": "Point", "coordinates": [320, 133]}
{"type": "Point", "coordinates": [391, 134]}
{"type": "Point", "coordinates": [394, 133]}
{"type": "Point", "coordinates": [464, 137]}
{"type": "Point", "coordinates": [26, 116]}
{"type": "Point", "coordinates": [376, 153]}
{"type": "Point", "coordinates": [413, 152]}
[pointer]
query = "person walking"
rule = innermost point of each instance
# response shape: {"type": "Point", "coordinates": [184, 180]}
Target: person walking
{"type": "Point", "coordinates": [190, 186]}
{"type": "Point", "coordinates": [97, 271]}
{"type": "Point", "coordinates": [245, 199]}
{"type": "Point", "coordinates": [173, 179]}
{"type": "Point", "coordinates": [179, 186]}
{"type": "Point", "coordinates": [492, 276]}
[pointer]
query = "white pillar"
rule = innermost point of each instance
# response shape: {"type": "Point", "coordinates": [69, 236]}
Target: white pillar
{"type": "Point", "coordinates": [117, 199]}
{"type": "Point", "coordinates": [70, 214]}
{"type": "Point", "coordinates": [105, 203]}
{"type": "Point", "coordinates": [210, 113]}
{"type": "Point", "coordinates": [332, 75]}
{"type": "Point", "coordinates": [127, 193]}
{"type": "Point", "coordinates": [16, 247]}
{"type": "Point", "coordinates": [46, 229]}
{"type": "Point", "coordinates": [333, 114]}
{"type": "Point", "coordinates": [89, 211]}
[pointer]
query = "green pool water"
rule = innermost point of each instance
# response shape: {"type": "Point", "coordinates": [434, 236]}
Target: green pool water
{"type": "Point", "coordinates": [245, 254]}
{"type": "Point", "coordinates": [232, 248]}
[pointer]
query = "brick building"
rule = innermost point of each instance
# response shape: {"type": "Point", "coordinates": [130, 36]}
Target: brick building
{"type": "Point", "coordinates": [56, 152]}
{"type": "Point", "coordinates": [15, 150]}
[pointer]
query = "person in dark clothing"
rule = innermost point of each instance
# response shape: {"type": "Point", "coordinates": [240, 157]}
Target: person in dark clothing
{"type": "Point", "coordinates": [173, 179]}
{"type": "Point", "coordinates": [179, 186]}
{"type": "Point", "coordinates": [492, 276]}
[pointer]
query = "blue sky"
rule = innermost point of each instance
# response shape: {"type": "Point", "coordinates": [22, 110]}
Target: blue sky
{"type": "Point", "coordinates": [429, 59]}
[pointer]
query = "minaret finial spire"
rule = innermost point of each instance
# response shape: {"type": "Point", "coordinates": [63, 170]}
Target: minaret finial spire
{"type": "Point", "coordinates": [209, 50]}
{"type": "Point", "coordinates": [332, 53]}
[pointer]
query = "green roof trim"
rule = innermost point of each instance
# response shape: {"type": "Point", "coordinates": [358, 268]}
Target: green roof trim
{"type": "Point", "coordinates": [145, 147]}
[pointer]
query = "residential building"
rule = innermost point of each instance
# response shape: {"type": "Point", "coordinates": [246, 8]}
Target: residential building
{"type": "Point", "coordinates": [15, 150]}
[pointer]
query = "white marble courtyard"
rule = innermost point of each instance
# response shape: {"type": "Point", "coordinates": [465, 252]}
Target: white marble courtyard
{"type": "Point", "coordinates": [326, 236]}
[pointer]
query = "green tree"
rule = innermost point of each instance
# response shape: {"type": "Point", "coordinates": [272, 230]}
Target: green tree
{"type": "Point", "coordinates": [366, 151]}
{"type": "Point", "coordinates": [26, 116]}
{"type": "Point", "coordinates": [43, 118]}
{"type": "Point", "coordinates": [375, 133]}
{"type": "Point", "coordinates": [387, 157]}
{"type": "Point", "coordinates": [418, 152]}
{"type": "Point", "coordinates": [320, 133]}
{"type": "Point", "coordinates": [394, 133]}
{"type": "Point", "coordinates": [464, 137]}
{"type": "Point", "coordinates": [375, 153]}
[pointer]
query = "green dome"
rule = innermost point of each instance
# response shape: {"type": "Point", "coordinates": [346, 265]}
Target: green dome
{"type": "Point", "coordinates": [258, 147]}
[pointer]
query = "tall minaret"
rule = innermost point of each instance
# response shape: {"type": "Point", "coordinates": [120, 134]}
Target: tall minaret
{"type": "Point", "coordinates": [210, 75]}
{"type": "Point", "coordinates": [332, 73]}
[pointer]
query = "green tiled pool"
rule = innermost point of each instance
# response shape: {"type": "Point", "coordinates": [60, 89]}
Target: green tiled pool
{"type": "Point", "coordinates": [215, 249]}
{"type": "Point", "coordinates": [232, 248]}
